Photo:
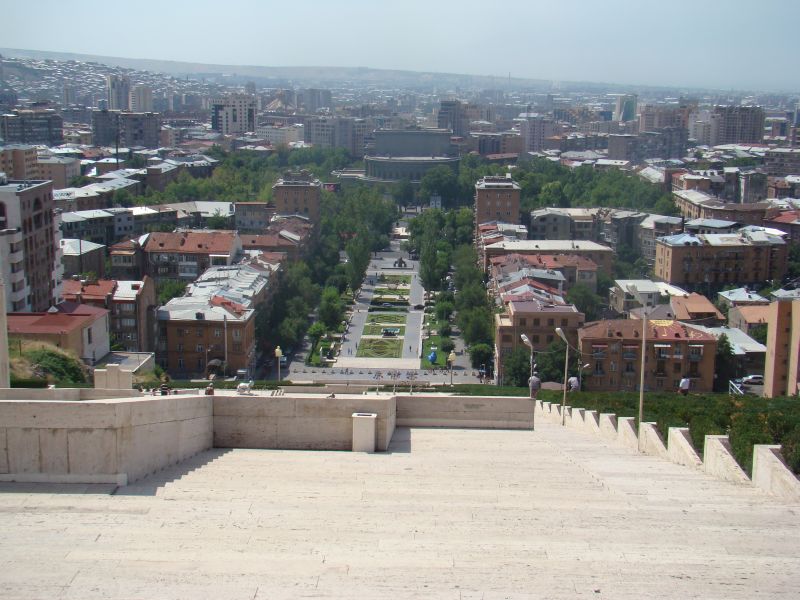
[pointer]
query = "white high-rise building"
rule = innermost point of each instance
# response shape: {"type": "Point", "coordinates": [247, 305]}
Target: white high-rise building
{"type": "Point", "coordinates": [118, 90]}
{"type": "Point", "coordinates": [234, 114]}
{"type": "Point", "coordinates": [534, 129]}
{"type": "Point", "coordinates": [141, 99]}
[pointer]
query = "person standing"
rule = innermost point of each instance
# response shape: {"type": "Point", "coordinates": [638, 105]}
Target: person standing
{"type": "Point", "coordinates": [683, 386]}
{"type": "Point", "coordinates": [574, 384]}
{"type": "Point", "coordinates": [534, 384]}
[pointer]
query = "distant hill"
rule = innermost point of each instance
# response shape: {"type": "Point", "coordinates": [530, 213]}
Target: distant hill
{"type": "Point", "coordinates": [317, 74]}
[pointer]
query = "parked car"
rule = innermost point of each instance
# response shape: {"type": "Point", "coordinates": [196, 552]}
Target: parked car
{"type": "Point", "coordinates": [753, 380]}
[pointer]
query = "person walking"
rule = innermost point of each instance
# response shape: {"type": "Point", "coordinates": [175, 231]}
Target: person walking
{"type": "Point", "coordinates": [683, 386]}
{"type": "Point", "coordinates": [574, 384]}
{"type": "Point", "coordinates": [534, 384]}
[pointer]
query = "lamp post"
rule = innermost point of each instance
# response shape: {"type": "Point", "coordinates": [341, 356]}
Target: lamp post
{"type": "Point", "coordinates": [278, 354]}
{"type": "Point", "coordinates": [644, 304]}
{"type": "Point", "coordinates": [451, 358]}
{"type": "Point", "coordinates": [527, 342]}
{"type": "Point", "coordinates": [561, 334]}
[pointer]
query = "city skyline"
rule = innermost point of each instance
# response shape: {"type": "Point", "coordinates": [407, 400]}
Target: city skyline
{"type": "Point", "coordinates": [708, 45]}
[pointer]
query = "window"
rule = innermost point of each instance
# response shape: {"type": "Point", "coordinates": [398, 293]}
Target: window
{"type": "Point", "coordinates": [563, 322]}
{"type": "Point", "coordinates": [523, 322]}
{"type": "Point", "coordinates": [199, 348]}
{"type": "Point", "coordinates": [551, 322]}
{"type": "Point", "coordinates": [237, 346]}
{"type": "Point", "coordinates": [598, 368]}
{"type": "Point", "coordinates": [89, 335]}
{"type": "Point", "coordinates": [536, 339]}
{"type": "Point", "coordinates": [549, 338]}
{"type": "Point", "coordinates": [676, 367]}
{"type": "Point", "coordinates": [536, 322]}
{"type": "Point", "coordinates": [180, 332]}
{"type": "Point", "coordinates": [127, 322]}
{"type": "Point", "coordinates": [179, 347]}
{"type": "Point", "coordinates": [217, 332]}
{"type": "Point", "coordinates": [199, 332]}
{"type": "Point", "coordinates": [237, 334]}
{"type": "Point", "coordinates": [629, 368]}
{"type": "Point", "coordinates": [180, 363]}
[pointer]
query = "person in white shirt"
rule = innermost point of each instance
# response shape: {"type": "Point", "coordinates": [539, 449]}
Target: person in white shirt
{"type": "Point", "coordinates": [683, 386]}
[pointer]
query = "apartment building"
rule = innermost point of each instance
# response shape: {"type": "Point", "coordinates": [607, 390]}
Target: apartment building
{"type": "Point", "coordinates": [130, 304]}
{"type": "Point", "coordinates": [497, 199]}
{"type": "Point", "coordinates": [58, 169]}
{"type": "Point", "coordinates": [118, 89]}
{"type": "Point", "coordinates": [565, 224]}
{"type": "Point", "coordinates": [780, 162]}
{"type": "Point", "coordinates": [140, 99]}
{"type": "Point", "coordinates": [20, 162]}
{"type": "Point", "coordinates": [612, 349]}
{"type": "Point", "coordinates": [739, 124]}
{"type": "Point", "coordinates": [186, 254]}
{"type": "Point", "coordinates": [535, 129]}
{"type": "Point", "coordinates": [573, 269]}
{"type": "Point", "coordinates": [133, 128]}
{"type": "Point", "coordinates": [694, 204]}
{"type": "Point", "coordinates": [599, 254]}
{"type": "Point", "coordinates": [234, 114]}
{"type": "Point", "coordinates": [298, 193]}
{"type": "Point", "coordinates": [709, 262]}
{"type": "Point", "coordinates": [538, 321]}
{"type": "Point", "coordinates": [82, 256]}
{"type": "Point", "coordinates": [782, 363]}
{"type": "Point", "coordinates": [252, 217]}
{"type": "Point", "coordinates": [30, 245]}
{"type": "Point", "coordinates": [32, 126]}
{"type": "Point", "coordinates": [650, 229]}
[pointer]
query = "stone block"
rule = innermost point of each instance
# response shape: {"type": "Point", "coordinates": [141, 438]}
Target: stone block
{"type": "Point", "coordinates": [680, 448]}
{"type": "Point", "coordinates": [626, 432]}
{"type": "Point", "coordinates": [772, 475]}
{"type": "Point", "coordinates": [650, 441]}
{"type": "Point", "coordinates": [364, 431]}
{"type": "Point", "coordinates": [591, 421]}
{"type": "Point", "coordinates": [23, 450]}
{"type": "Point", "coordinates": [92, 451]}
{"type": "Point", "coordinates": [608, 426]}
{"type": "Point", "coordinates": [718, 460]}
{"type": "Point", "coordinates": [576, 418]}
{"type": "Point", "coordinates": [53, 449]}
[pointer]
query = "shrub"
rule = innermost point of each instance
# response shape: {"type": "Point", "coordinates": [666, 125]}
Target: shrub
{"type": "Point", "coordinates": [447, 345]}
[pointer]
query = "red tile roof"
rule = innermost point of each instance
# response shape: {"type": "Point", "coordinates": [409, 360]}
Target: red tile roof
{"type": "Point", "coordinates": [69, 317]}
{"type": "Point", "coordinates": [629, 329]}
{"type": "Point", "coordinates": [191, 242]}
{"type": "Point", "coordinates": [97, 290]}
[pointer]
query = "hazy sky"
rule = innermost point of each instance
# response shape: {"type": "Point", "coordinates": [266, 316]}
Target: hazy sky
{"type": "Point", "coordinates": [708, 43]}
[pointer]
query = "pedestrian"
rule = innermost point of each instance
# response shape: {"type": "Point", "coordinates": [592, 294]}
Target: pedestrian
{"type": "Point", "coordinates": [574, 384]}
{"type": "Point", "coordinates": [534, 384]}
{"type": "Point", "coordinates": [683, 386]}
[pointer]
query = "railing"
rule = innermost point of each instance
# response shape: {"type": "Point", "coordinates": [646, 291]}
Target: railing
{"type": "Point", "coordinates": [734, 389]}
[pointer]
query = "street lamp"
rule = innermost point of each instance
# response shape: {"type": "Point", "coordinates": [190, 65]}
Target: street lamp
{"type": "Point", "coordinates": [451, 358]}
{"type": "Point", "coordinates": [278, 354]}
{"type": "Point", "coordinates": [644, 303]}
{"type": "Point", "coordinates": [527, 342]}
{"type": "Point", "coordinates": [561, 334]}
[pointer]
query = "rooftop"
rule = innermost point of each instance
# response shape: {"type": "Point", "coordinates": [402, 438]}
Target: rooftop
{"type": "Point", "coordinates": [549, 246]}
{"type": "Point", "coordinates": [743, 295]}
{"type": "Point", "coordinates": [454, 514]}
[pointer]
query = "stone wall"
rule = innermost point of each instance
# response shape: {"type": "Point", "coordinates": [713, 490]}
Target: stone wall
{"type": "Point", "coordinates": [493, 412]}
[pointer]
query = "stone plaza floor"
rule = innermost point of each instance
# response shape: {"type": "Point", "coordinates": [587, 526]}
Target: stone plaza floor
{"type": "Point", "coordinates": [457, 514]}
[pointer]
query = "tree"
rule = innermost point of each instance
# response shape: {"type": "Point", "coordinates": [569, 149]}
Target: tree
{"type": "Point", "coordinates": [443, 310]}
{"type": "Point", "coordinates": [440, 181]}
{"type": "Point", "coordinates": [759, 333]}
{"type": "Point", "coordinates": [725, 364]}
{"type": "Point", "coordinates": [517, 368]}
{"type": "Point", "coordinates": [167, 289]}
{"type": "Point", "coordinates": [217, 221]}
{"type": "Point", "coordinates": [585, 300]}
{"type": "Point", "coordinates": [315, 332]}
{"type": "Point", "coordinates": [403, 192]}
{"type": "Point", "coordinates": [331, 308]}
{"type": "Point", "coordinates": [480, 354]}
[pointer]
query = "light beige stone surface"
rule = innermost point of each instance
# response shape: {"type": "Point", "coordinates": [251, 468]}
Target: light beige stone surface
{"type": "Point", "coordinates": [456, 514]}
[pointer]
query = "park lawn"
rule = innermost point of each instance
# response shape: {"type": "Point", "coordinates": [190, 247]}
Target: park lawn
{"type": "Point", "coordinates": [395, 279]}
{"type": "Point", "coordinates": [391, 292]}
{"type": "Point", "coordinates": [386, 319]}
{"type": "Point", "coordinates": [377, 329]}
{"type": "Point", "coordinates": [380, 348]}
{"type": "Point", "coordinates": [441, 357]}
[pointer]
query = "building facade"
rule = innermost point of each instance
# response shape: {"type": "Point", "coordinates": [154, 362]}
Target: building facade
{"type": "Point", "coordinates": [234, 114]}
{"type": "Point", "coordinates": [497, 199]}
{"type": "Point", "coordinates": [613, 351]}
{"type": "Point", "coordinates": [298, 193]}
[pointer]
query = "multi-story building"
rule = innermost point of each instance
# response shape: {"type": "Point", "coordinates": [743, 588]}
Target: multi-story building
{"type": "Point", "coordinates": [709, 262]}
{"type": "Point", "coordinates": [740, 124]}
{"type": "Point", "coordinates": [118, 89]}
{"type": "Point", "coordinates": [628, 294]}
{"type": "Point", "coordinates": [780, 162]}
{"type": "Point", "coordinates": [20, 162]}
{"type": "Point", "coordinates": [573, 269]}
{"type": "Point", "coordinates": [694, 204]}
{"type": "Point", "coordinates": [141, 99]}
{"type": "Point", "coordinates": [281, 134]}
{"type": "Point", "coordinates": [298, 193]}
{"type": "Point", "coordinates": [740, 297]}
{"type": "Point", "coordinates": [60, 170]}
{"type": "Point", "coordinates": [453, 116]}
{"type": "Point", "coordinates": [565, 224]}
{"type": "Point", "coordinates": [538, 321]}
{"type": "Point", "coordinates": [252, 217]}
{"type": "Point", "coordinates": [601, 255]}
{"type": "Point", "coordinates": [29, 240]}
{"type": "Point", "coordinates": [652, 228]}
{"type": "Point", "coordinates": [612, 349]}
{"type": "Point", "coordinates": [186, 254]}
{"type": "Point", "coordinates": [625, 109]}
{"type": "Point", "coordinates": [234, 114]}
{"type": "Point", "coordinates": [337, 132]}
{"type": "Point", "coordinates": [134, 128]}
{"type": "Point", "coordinates": [497, 199]}
{"type": "Point", "coordinates": [653, 117]}
{"type": "Point", "coordinates": [534, 130]}
{"type": "Point", "coordinates": [669, 142]}
{"type": "Point", "coordinates": [82, 256]}
{"type": "Point", "coordinates": [409, 154]}
{"type": "Point", "coordinates": [131, 306]}
{"type": "Point", "coordinates": [32, 126]}
{"type": "Point", "coordinates": [782, 364]}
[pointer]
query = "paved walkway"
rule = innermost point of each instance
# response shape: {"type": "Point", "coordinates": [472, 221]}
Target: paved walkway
{"type": "Point", "coordinates": [454, 514]}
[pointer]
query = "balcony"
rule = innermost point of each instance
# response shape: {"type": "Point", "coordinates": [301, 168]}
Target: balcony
{"type": "Point", "coordinates": [628, 355]}
{"type": "Point", "coordinates": [599, 355]}
{"type": "Point", "coordinates": [695, 357]}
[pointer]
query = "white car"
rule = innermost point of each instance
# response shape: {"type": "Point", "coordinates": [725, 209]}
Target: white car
{"type": "Point", "coordinates": [753, 380]}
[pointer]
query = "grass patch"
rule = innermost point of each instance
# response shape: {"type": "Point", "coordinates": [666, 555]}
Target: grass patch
{"type": "Point", "coordinates": [377, 329]}
{"type": "Point", "coordinates": [389, 319]}
{"type": "Point", "coordinates": [395, 279]}
{"type": "Point", "coordinates": [441, 357]}
{"type": "Point", "coordinates": [390, 292]}
{"type": "Point", "coordinates": [382, 348]}
{"type": "Point", "coordinates": [389, 309]}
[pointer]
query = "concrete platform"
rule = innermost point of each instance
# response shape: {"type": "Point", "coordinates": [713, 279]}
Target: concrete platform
{"type": "Point", "coordinates": [456, 514]}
